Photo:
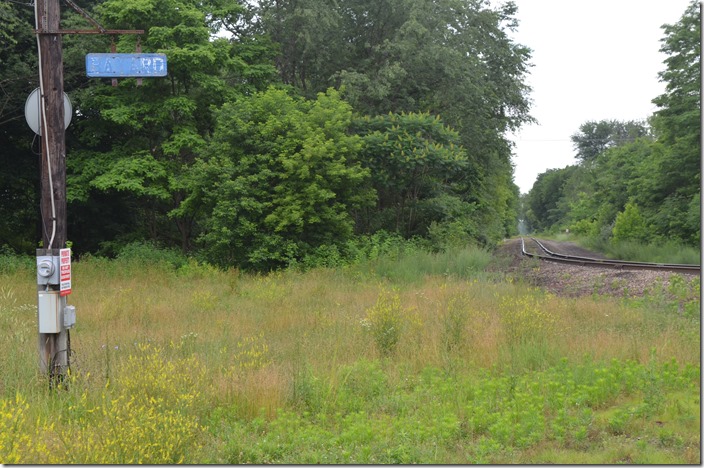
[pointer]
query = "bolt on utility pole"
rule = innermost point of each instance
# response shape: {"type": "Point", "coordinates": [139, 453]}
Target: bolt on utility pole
{"type": "Point", "coordinates": [53, 335]}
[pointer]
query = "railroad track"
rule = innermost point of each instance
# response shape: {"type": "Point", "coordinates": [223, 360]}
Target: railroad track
{"type": "Point", "coordinates": [546, 254]}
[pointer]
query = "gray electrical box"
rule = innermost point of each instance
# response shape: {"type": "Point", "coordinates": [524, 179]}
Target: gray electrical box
{"type": "Point", "coordinates": [69, 316]}
{"type": "Point", "coordinates": [49, 312]}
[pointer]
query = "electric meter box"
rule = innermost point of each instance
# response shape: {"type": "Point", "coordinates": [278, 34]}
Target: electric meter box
{"type": "Point", "coordinates": [48, 268]}
{"type": "Point", "coordinates": [49, 312]}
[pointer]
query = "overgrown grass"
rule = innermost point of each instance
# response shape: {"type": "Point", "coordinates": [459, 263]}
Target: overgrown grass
{"type": "Point", "coordinates": [185, 363]}
{"type": "Point", "coordinates": [415, 265]}
{"type": "Point", "coordinates": [668, 252]}
{"type": "Point", "coordinates": [661, 252]}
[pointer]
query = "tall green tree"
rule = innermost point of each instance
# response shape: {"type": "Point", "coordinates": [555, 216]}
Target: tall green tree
{"type": "Point", "coordinates": [19, 157]}
{"type": "Point", "coordinates": [545, 209]}
{"type": "Point", "coordinates": [416, 165]}
{"type": "Point", "coordinates": [451, 58]}
{"type": "Point", "coordinates": [678, 126]}
{"type": "Point", "coordinates": [643, 183]}
{"type": "Point", "coordinates": [280, 179]}
{"type": "Point", "coordinates": [136, 144]}
{"type": "Point", "coordinates": [594, 138]}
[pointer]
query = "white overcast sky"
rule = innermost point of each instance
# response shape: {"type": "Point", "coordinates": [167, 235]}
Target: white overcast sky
{"type": "Point", "coordinates": [592, 60]}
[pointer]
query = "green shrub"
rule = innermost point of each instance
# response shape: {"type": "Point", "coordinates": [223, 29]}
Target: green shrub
{"type": "Point", "coordinates": [381, 244]}
{"type": "Point", "coordinates": [630, 225]}
{"type": "Point", "coordinates": [10, 262]}
{"type": "Point", "coordinates": [385, 321]}
{"type": "Point", "coordinates": [585, 227]}
{"type": "Point", "coordinates": [324, 256]}
{"type": "Point", "coordinates": [150, 253]}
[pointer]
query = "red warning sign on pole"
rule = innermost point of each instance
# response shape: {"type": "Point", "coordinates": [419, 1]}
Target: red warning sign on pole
{"type": "Point", "coordinates": [65, 272]}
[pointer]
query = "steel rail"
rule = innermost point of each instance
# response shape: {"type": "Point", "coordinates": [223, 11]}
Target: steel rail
{"type": "Point", "coordinates": [587, 261]}
{"type": "Point", "coordinates": [601, 260]}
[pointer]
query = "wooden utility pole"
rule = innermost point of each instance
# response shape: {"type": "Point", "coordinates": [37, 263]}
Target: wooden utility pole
{"type": "Point", "coordinates": [54, 260]}
{"type": "Point", "coordinates": [53, 347]}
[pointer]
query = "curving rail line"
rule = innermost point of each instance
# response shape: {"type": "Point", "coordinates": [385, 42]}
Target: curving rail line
{"type": "Point", "coordinates": [586, 261]}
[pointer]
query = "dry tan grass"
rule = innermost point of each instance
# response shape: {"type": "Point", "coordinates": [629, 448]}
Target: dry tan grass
{"type": "Point", "coordinates": [314, 320]}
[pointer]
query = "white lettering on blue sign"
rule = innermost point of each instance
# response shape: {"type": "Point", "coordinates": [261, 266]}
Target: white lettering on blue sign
{"type": "Point", "coordinates": [126, 65]}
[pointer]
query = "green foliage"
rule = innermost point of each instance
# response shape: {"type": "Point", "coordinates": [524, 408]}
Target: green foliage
{"type": "Point", "coordinates": [544, 208]}
{"type": "Point", "coordinates": [181, 160]}
{"type": "Point", "coordinates": [415, 164]}
{"type": "Point", "coordinates": [151, 254]}
{"type": "Point", "coordinates": [400, 59]}
{"type": "Point", "coordinates": [280, 179]}
{"type": "Point", "coordinates": [656, 169]}
{"type": "Point", "coordinates": [491, 416]}
{"type": "Point", "coordinates": [414, 263]}
{"type": "Point", "coordinates": [11, 262]}
{"type": "Point", "coordinates": [678, 119]}
{"type": "Point", "coordinates": [594, 138]}
{"type": "Point", "coordinates": [138, 155]}
{"type": "Point", "coordinates": [19, 169]}
{"type": "Point", "coordinates": [161, 124]}
{"type": "Point", "coordinates": [133, 146]}
{"type": "Point", "coordinates": [381, 244]}
{"type": "Point", "coordinates": [357, 250]}
{"type": "Point", "coordinates": [658, 252]}
{"type": "Point", "coordinates": [386, 321]}
{"type": "Point", "coordinates": [630, 225]}
{"type": "Point", "coordinates": [11, 23]}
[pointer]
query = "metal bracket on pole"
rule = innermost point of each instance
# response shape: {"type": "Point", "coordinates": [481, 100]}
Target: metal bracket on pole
{"type": "Point", "coordinates": [85, 15]}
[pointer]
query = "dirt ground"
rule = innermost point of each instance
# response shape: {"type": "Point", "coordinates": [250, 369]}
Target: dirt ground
{"type": "Point", "coordinates": [575, 281]}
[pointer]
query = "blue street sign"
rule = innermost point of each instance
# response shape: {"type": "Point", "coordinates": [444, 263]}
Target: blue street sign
{"type": "Point", "coordinates": [125, 65]}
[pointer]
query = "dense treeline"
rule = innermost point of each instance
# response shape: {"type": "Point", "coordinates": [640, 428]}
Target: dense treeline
{"type": "Point", "coordinates": [282, 126]}
{"type": "Point", "coordinates": [635, 181]}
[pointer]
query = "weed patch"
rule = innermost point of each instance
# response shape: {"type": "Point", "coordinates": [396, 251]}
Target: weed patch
{"type": "Point", "coordinates": [186, 364]}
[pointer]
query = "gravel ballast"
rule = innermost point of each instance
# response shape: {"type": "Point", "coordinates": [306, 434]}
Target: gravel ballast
{"type": "Point", "coordinates": [576, 281]}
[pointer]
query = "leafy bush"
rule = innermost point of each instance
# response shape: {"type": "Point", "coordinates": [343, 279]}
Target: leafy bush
{"type": "Point", "coordinates": [416, 165]}
{"type": "Point", "coordinates": [280, 180]}
{"type": "Point", "coordinates": [452, 234]}
{"type": "Point", "coordinates": [380, 244]}
{"type": "Point", "coordinates": [324, 256]}
{"type": "Point", "coordinates": [630, 225]}
{"type": "Point", "coordinates": [585, 227]}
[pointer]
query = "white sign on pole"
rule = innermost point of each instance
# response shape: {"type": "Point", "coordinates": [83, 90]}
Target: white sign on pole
{"type": "Point", "coordinates": [65, 272]}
